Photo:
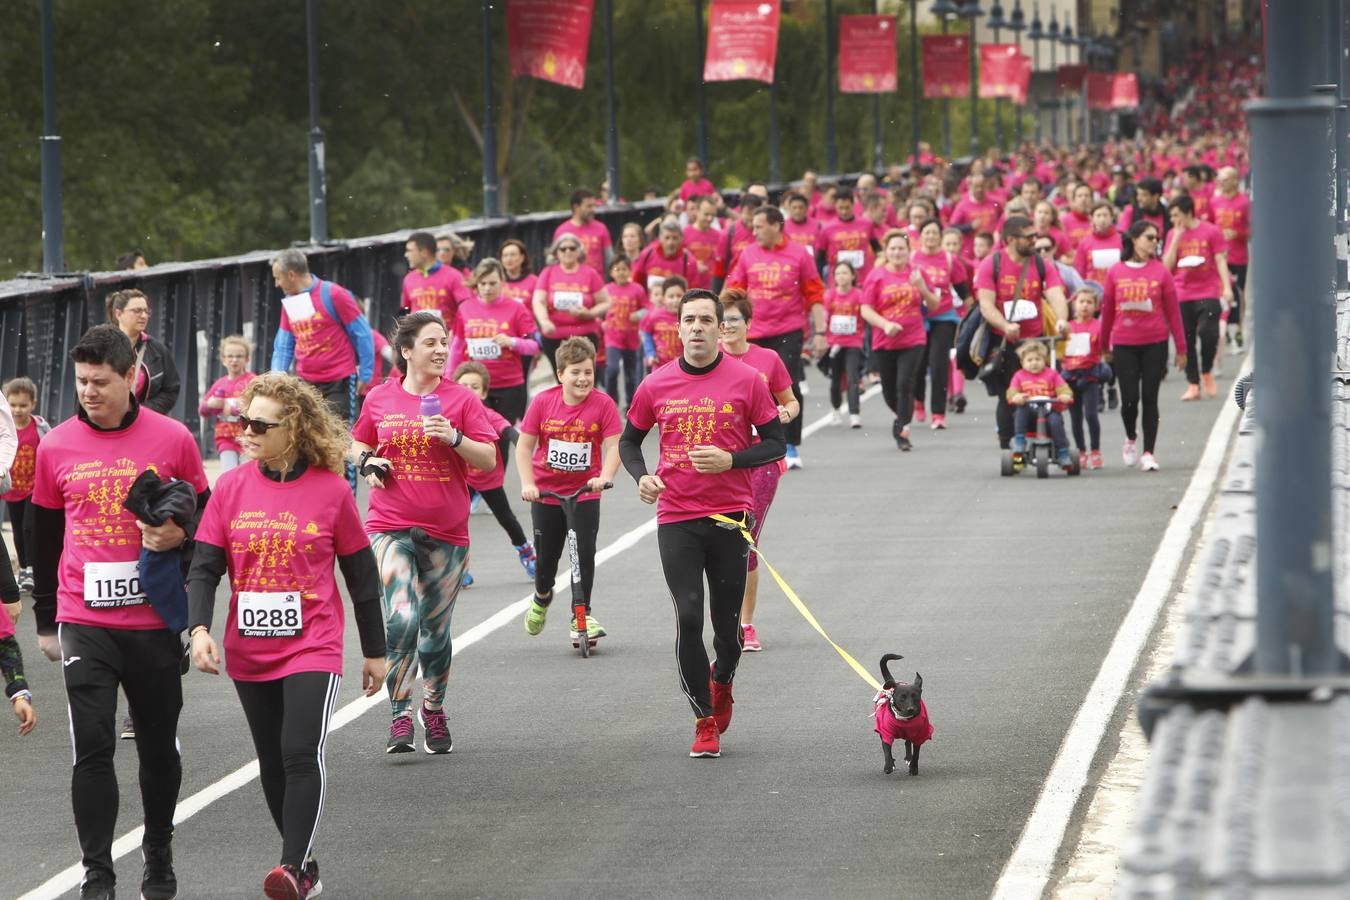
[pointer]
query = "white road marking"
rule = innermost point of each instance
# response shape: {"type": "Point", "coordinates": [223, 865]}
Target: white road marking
{"type": "Point", "coordinates": [1032, 863]}
{"type": "Point", "coordinates": [68, 879]}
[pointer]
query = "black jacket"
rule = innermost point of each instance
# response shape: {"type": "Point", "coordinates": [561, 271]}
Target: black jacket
{"type": "Point", "coordinates": [162, 376]}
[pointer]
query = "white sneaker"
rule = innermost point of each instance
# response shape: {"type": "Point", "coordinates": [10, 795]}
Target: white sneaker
{"type": "Point", "coordinates": [1147, 463]}
{"type": "Point", "coordinates": [854, 420]}
{"type": "Point", "coordinates": [836, 417]}
{"type": "Point", "coordinates": [1129, 454]}
{"type": "Point", "coordinates": [804, 388]}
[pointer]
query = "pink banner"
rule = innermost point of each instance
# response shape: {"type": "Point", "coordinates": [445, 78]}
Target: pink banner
{"type": "Point", "coordinates": [998, 70]}
{"type": "Point", "coordinates": [547, 39]}
{"type": "Point", "coordinates": [1069, 77]}
{"type": "Point", "coordinates": [946, 65]}
{"type": "Point", "coordinates": [742, 40]}
{"type": "Point", "coordinates": [1112, 90]}
{"type": "Point", "coordinates": [1022, 85]}
{"type": "Point", "coordinates": [866, 54]}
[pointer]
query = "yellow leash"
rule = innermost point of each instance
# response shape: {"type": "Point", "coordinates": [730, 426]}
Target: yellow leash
{"type": "Point", "coordinates": [797, 602]}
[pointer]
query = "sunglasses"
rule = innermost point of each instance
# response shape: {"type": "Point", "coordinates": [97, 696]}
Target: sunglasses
{"type": "Point", "coordinates": [257, 426]}
{"type": "Point", "coordinates": [568, 249]}
{"type": "Point", "coordinates": [1045, 249]}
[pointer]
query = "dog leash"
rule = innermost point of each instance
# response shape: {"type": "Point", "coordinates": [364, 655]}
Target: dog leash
{"type": "Point", "coordinates": [797, 602]}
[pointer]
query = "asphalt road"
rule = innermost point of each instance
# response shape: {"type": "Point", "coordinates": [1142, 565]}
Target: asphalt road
{"type": "Point", "coordinates": [571, 777]}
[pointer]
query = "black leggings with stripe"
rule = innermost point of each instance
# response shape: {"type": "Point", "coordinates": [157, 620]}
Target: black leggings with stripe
{"type": "Point", "coordinates": [289, 718]}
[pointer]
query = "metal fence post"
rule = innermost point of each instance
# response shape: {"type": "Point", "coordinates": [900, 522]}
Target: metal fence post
{"type": "Point", "coordinates": [702, 106]}
{"type": "Point", "coordinates": [831, 48]}
{"type": "Point", "coordinates": [318, 182]}
{"type": "Point", "coordinates": [1290, 132]}
{"type": "Point", "coordinates": [53, 229]}
{"type": "Point", "coordinates": [612, 128]}
{"type": "Point", "coordinates": [773, 128]}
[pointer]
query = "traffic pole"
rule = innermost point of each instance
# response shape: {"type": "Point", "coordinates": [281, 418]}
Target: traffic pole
{"type": "Point", "coordinates": [53, 229]}
{"type": "Point", "coordinates": [318, 179]}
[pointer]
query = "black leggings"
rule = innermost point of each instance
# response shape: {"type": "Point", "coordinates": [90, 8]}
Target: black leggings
{"type": "Point", "coordinates": [688, 550]}
{"type": "Point", "coordinates": [506, 517]}
{"type": "Point", "coordinates": [550, 539]}
{"type": "Point", "coordinates": [1087, 398]}
{"type": "Point", "coordinates": [550, 351]}
{"type": "Point", "coordinates": [788, 346]}
{"type": "Point", "coordinates": [847, 364]}
{"type": "Point", "coordinates": [508, 402]}
{"type": "Point", "coordinates": [1239, 273]}
{"type": "Point", "coordinates": [20, 520]}
{"type": "Point", "coordinates": [1200, 320]}
{"type": "Point", "coordinates": [941, 339]}
{"type": "Point", "coordinates": [289, 719]}
{"type": "Point", "coordinates": [898, 369]}
{"type": "Point", "coordinates": [1134, 365]}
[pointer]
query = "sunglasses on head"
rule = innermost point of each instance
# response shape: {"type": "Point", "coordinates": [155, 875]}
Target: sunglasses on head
{"type": "Point", "coordinates": [257, 426]}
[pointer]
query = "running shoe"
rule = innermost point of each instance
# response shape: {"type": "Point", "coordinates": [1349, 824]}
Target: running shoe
{"type": "Point", "coordinates": [158, 881]}
{"type": "Point", "coordinates": [750, 639]}
{"type": "Point", "coordinates": [836, 417]}
{"type": "Point", "coordinates": [534, 617]}
{"type": "Point", "coordinates": [435, 730]}
{"type": "Point", "coordinates": [527, 559]}
{"type": "Point", "coordinates": [854, 420]}
{"type": "Point", "coordinates": [721, 703]}
{"type": "Point", "coordinates": [794, 461]}
{"type": "Point", "coordinates": [1019, 444]}
{"type": "Point", "coordinates": [94, 888]}
{"type": "Point", "coordinates": [1147, 463]}
{"type": "Point", "coordinates": [1192, 392]}
{"type": "Point", "coordinates": [309, 880]}
{"type": "Point", "coordinates": [1095, 459]}
{"type": "Point", "coordinates": [1238, 337]}
{"type": "Point", "coordinates": [1129, 454]}
{"type": "Point", "coordinates": [804, 387]}
{"type": "Point", "coordinates": [959, 403]}
{"type": "Point", "coordinates": [920, 414]}
{"type": "Point", "coordinates": [902, 440]}
{"type": "Point", "coordinates": [283, 883]}
{"type": "Point", "coordinates": [467, 580]}
{"type": "Point", "coordinates": [1112, 397]}
{"type": "Point", "coordinates": [1063, 459]}
{"type": "Point", "coordinates": [1082, 460]}
{"type": "Point", "coordinates": [26, 579]}
{"type": "Point", "coordinates": [128, 732]}
{"type": "Point", "coordinates": [594, 630]}
{"type": "Point", "coordinates": [707, 743]}
{"type": "Point", "coordinates": [1207, 380]}
{"type": "Point", "coordinates": [400, 737]}
{"type": "Point", "coordinates": [939, 422]}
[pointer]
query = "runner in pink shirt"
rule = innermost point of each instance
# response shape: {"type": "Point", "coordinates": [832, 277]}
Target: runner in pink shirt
{"type": "Point", "coordinates": [87, 557]}
{"type": "Point", "coordinates": [975, 212]}
{"type": "Point", "coordinates": [703, 239]}
{"type": "Point", "coordinates": [498, 332]}
{"type": "Point", "coordinates": [1046, 218]}
{"type": "Point", "coordinates": [1099, 250]}
{"type": "Point", "coordinates": [847, 238]}
{"type": "Point", "coordinates": [583, 226]}
{"type": "Point", "coordinates": [1077, 221]}
{"type": "Point", "coordinates": [520, 281]}
{"type": "Point", "coordinates": [569, 299]}
{"type": "Point", "coordinates": [664, 257]}
{"type": "Point", "coordinates": [896, 303]}
{"type": "Point", "coordinates": [1196, 257]}
{"type": "Point", "coordinates": [708, 409]}
{"type": "Point", "coordinates": [430, 284]}
{"type": "Point", "coordinates": [659, 330]}
{"type": "Point", "coordinates": [696, 181]}
{"type": "Point", "coordinates": [278, 525]}
{"type": "Point", "coordinates": [947, 276]}
{"type": "Point", "coordinates": [738, 235]}
{"type": "Point", "coordinates": [843, 312]}
{"type": "Point", "coordinates": [222, 400]}
{"type": "Point", "coordinates": [800, 228]}
{"type": "Point", "coordinates": [623, 343]}
{"type": "Point", "coordinates": [1231, 211]}
{"type": "Point", "coordinates": [416, 461]}
{"type": "Point", "coordinates": [1085, 373]}
{"type": "Point", "coordinates": [21, 395]}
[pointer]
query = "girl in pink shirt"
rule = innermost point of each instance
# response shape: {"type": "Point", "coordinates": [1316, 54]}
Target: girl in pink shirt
{"type": "Point", "coordinates": [222, 400]}
{"type": "Point", "coordinates": [950, 280]}
{"type": "Point", "coordinates": [844, 327]}
{"type": "Point", "coordinates": [623, 344]}
{"type": "Point", "coordinates": [277, 525]}
{"type": "Point", "coordinates": [569, 440]}
{"type": "Point", "coordinates": [498, 332]}
{"type": "Point", "coordinates": [1085, 372]}
{"type": "Point", "coordinates": [1099, 250]}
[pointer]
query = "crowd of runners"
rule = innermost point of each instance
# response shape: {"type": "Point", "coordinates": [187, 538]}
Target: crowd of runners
{"type": "Point", "coordinates": [1069, 274]}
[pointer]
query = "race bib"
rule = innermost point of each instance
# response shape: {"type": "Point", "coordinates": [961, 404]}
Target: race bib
{"type": "Point", "coordinates": [1105, 259]}
{"type": "Point", "coordinates": [843, 324]}
{"type": "Point", "coordinates": [568, 301]}
{"type": "Point", "coordinates": [1080, 344]}
{"type": "Point", "coordinates": [1190, 262]}
{"type": "Point", "coordinates": [299, 307]}
{"type": "Point", "coordinates": [565, 456]}
{"type": "Point", "coordinates": [1140, 306]}
{"type": "Point", "coordinates": [269, 614]}
{"type": "Point", "coordinates": [1020, 310]}
{"type": "Point", "coordinates": [110, 585]}
{"type": "Point", "coordinates": [853, 257]}
{"type": "Point", "coordinates": [483, 348]}
{"type": "Point", "coordinates": [655, 281]}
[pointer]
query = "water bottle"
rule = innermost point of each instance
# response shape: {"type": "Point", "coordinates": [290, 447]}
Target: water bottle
{"type": "Point", "coordinates": [428, 406]}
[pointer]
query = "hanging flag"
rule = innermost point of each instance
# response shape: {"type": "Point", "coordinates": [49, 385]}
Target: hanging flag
{"type": "Point", "coordinates": [1069, 77]}
{"type": "Point", "coordinates": [998, 69]}
{"type": "Point", "coordinates": [946, 65]}
{"type": "Point", "coordinates": [866, 54]}
{"type": "Point", "coordinates": [548, 39]}
{"type": "Point", "coordinates": [742, 40]}
{"type": "Point", "coordinates": [1022, 80]}
{"type": "Point", "coordinates": [1112, 90]}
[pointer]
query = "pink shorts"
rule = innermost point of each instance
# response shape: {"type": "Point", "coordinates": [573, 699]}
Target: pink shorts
{"type": "Point", "coordinates": [764, 485]}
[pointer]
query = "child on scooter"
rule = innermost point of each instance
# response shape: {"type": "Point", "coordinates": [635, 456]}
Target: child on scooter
{"type": "Point", "coordinates": [1036, 380]}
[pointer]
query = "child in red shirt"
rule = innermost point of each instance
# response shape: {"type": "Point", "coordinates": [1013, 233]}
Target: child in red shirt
{"type": "Point", "coordinates": [222, 400]}
{"type": "Point", "coordinates": [1085, 373]}
{"type": "Point", "coordinates": [21, 394]}
{"type": "Point", "coordinates": [660, 329]}
{"type": "Point", "coordinates": [1036, 380]}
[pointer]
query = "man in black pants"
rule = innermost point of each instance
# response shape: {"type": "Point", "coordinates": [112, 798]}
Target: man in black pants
{"type": "Point", "coordinates": [110, 634]}
{"type": "Point", "coordinates": [705, 405]}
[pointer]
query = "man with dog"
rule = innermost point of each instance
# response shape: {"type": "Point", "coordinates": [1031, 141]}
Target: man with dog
{"type": "Point", "coordinates": [709, 408]}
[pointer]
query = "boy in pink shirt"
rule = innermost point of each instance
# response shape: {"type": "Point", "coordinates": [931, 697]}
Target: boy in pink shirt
{"type": "Point", "coordinates": [628, 305]}
{"type": "Point", "coordinates": [430, 284]}
{"type": "Point", "coordinates": [660, 328]}
{"type": "Point", "coordinates": [583, 226]}
{"type": "Point", "coordinates": [1196, 256]}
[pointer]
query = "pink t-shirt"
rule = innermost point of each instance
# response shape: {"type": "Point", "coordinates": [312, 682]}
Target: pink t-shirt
{"type": "Point", "coordinates": [653, 267]}
{"type": "Point", "coordinates": [1197, 273]}
{"type": "Point", "coordinates": [715, 409]}
{"type": "Point", "coordinates": [521, 290]}
{"type": "Point", "coordinates": [664, 328]}
{"type": "Point", "coordinates": [477, 323]}
{"type": "Point", "coordinates": [706, 246]}
{"type": "Point", "coordinates": [621, 332]}
{"type": "Point", "coordinates": [21, 470]}
{"type": "Point", "coordinates": [568, 452]}
{"type": "Point", "coordinates": [1233, 212]}
{"type": "Point", "coordinates": [1032, 290]}
{"type": "Point", "coordinates": [440, 289]}
{"type": "Point", "coordinates": [1139, 306]}
{"type": "Point", "coordinates": [1076, 227]}
{"type": "Point", "coordinates": [227, 420]}
{"type": "Point", "coordinates": [323, 351]}
{"type": "Point", "coordinates": [700, 188]}
{"type": "Point", "coordinates": [941, 270]}
{"type": "Point", "coordinates": [843, 318]}
{"type": "Point", "coordinates": [1046, 383]}
{"type": "Point", "coordinates": [891, 295]}
{"type": "Point", "coordinates": [1096, 254]}
{"type": "Point", "coordinates": [733, 241]}
{"type": "Point", "coordinates": [87, 473]}
{"type": "Point", "coordinates": [851, 242]}
{"type": "Point", "coordinates": [283, 538]}
{"type": "Point", "coordinates": [568, 290]}
{"type": "Point", "coordinates": [594, 236]}
{"type": "Point", "coordinates": [981, 216]}
{"type": "Point", "coordinates": [487, 481]}
{"type": "Point", "coordinates": [768, 364]}
{"type": "Point", "coordinates": [807, 233]}
{"type": "Point", "coordinates": [781, 283]}
{"type": "Point", "coordinates": [1084, 352]}
{"type": "Point", "coordinates": [428, 484]}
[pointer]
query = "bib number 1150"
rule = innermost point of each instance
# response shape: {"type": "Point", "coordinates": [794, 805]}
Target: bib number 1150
{"type": "Point", "coordinates": [109, 585]}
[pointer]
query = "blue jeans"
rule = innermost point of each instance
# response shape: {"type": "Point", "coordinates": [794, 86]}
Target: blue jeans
{"type": "Point", "coordinates": [1024, 425]}
{"type": "Point", "coordinates": [630, 361]}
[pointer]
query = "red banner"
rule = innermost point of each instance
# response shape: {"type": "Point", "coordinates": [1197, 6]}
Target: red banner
{"type": "Point", "coordinates": [866, 54]}
{"type": "Point", "coordinates": [1070, 77]}
{"type": "Point", "coordinates": [547, 39]}
{"type": "Point", "coordinates": [998, 70]}
{"type": "Point", "coordinates": [742, 40]}
{"type": "Point", "coordinates": [1112, 90]}
{"type": "Point", "coordinates": [1022, 84]}
{"type": "Point", "coordinates": [946, 65]}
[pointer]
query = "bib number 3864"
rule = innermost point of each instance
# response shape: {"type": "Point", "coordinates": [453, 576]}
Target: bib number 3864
{"type": "Point", "coordinates": [110, 585]}
{"type": "Point", "coordinates": [566, 456]}
{"type": "Point", "coordinates": [269, 614]}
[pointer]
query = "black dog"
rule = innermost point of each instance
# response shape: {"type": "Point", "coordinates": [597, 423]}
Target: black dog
{"type": "Point", "coordinates": [901, 714]}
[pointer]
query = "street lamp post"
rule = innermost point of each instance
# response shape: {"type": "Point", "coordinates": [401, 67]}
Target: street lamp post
{"type": "Point", "coordinates": [53, 247]}
{"type": "Point", "coordinates": [996, 23]}
{"type": "Point", "coordinates": [1067, 39]}
{"type": "Point", "coordinates": [945, 9]}
{"type": "Point", "coordinates": [971, 11]}
{"type": "Point", "coordinates": [913, 77]}
{"type": "Point", "coordinates": [1037, 34]}
{"type": "Point", "coordinates": [1053, 34]}
{"type": "Point", "coordinates": [1017, 23]}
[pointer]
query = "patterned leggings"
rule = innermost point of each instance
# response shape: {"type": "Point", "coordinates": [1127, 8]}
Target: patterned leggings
{"type": "Point", "coordinates": [417, 611]}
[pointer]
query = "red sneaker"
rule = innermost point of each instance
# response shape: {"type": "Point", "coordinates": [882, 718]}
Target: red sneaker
{"type": "Point", "coordinates": [1095, 459]}
{"type": "Point", "coordinates": [721, 703]}
{"type": "Point", "coordinates": [283, 883]}
{"type": "Point", "coordinates": [706, 741]}
{"type": "Point", "coordinates": [920, 414]}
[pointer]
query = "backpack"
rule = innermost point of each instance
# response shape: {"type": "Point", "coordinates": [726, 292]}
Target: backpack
{"type": "Point", "coordinates": [974, 336]}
